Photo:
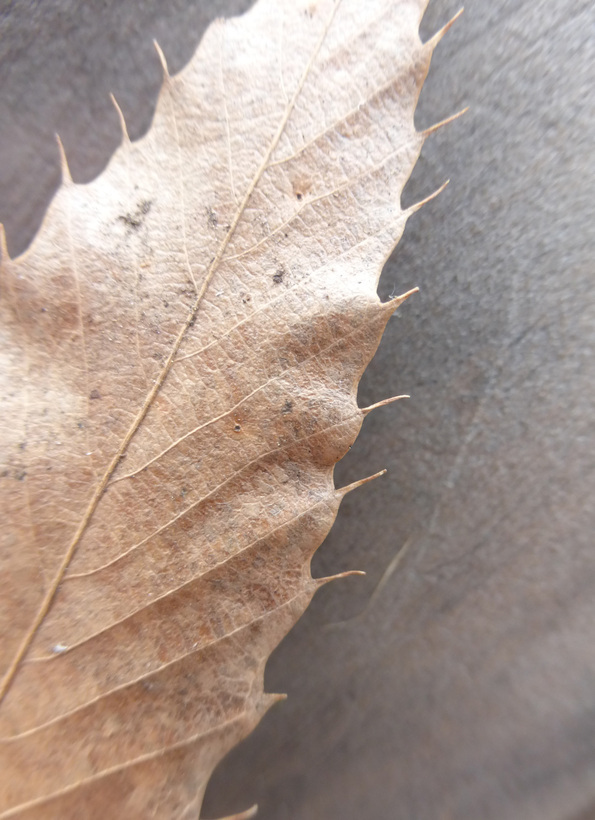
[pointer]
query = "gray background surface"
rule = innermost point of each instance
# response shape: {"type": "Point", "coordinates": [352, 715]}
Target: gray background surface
{"type": "Point", "coordinates": [459, 681]}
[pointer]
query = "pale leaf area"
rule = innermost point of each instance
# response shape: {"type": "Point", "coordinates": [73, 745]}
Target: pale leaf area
{"type": "Point", "coordinates": [181, 348]}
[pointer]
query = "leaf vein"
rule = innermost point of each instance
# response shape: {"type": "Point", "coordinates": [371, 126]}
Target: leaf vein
{"type": "Point", "coordinates": [204, 498]}
{"type": "Point", "coordinates": [64, 564]}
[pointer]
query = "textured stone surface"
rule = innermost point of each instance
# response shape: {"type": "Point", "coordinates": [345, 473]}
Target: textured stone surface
{"type": "Point", "coordinates": [464, 686]}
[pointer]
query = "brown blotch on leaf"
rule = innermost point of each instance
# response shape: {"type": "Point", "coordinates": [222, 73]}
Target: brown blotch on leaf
{"type": "Point", "coordinates": [301, 186]}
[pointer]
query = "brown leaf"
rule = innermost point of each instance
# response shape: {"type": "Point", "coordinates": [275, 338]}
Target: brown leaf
{"type": "Point", "coordinates": [182, 346]}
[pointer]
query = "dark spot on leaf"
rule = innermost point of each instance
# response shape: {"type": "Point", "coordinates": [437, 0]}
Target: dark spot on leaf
{"type": "Point", "coordinates": [278, 276]}
{"type": "Point", "coordinates": [130, 221]}
{"type": "Point", "coordinates": [301, 186]}
{"type": "Point", "coordinates": [212, 219]}
{"type": "Point", "coordinates": [134, 220]}
{"type": "Point", "coordinates": [237, 428]}
{"type": "Point", "coordinates": [287, 407]}
{"type": "Point", "coordinates": [95, 394]}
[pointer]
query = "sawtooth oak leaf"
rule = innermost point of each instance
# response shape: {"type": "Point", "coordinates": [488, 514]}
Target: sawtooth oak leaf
{"type": "Point", "coordinates": [181, 348]}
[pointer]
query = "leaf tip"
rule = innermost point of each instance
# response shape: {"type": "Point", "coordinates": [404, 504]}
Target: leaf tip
{"type": "Point", "coordinates": [383, 403]}
{"type": "Point", "coordinates": [125, 136]}
{"type": "Point", "coordinates": [66, 175]}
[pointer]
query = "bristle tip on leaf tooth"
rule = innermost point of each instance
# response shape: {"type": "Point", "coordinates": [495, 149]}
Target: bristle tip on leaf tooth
{"type": "Point", "coordinates": [342, 491]}
{"type": "Point", "coordinates": [435, 39]}
{"type": "Point", "coordinates": [66, 175]}
{"type": "Point", "coordinates": [438, 125]}
{"type": "Point", "coordinates": [418, 205]}
{"type": "Point", "coordinates": [383, 403]}
{"type": "Point", "coordinates": [271, 698]}
{"type": "Point", "coordinates": [4, 255]}
{"type": "Point", "coordinates": [125, 136]}
{"type": "Point", "coordinates": [162, 59]}
{"type": "Point", "coordinates": [321, 582]}
{"type": "Point", "coordinates": [397, 301]}
{"type": "Point", "coordinates": [243, 815]}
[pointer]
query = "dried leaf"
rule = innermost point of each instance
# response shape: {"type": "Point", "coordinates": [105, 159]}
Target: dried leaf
{"type": "Point", "coordinates": [181, 348]}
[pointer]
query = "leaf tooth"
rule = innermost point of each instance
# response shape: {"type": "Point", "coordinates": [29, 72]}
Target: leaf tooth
{"type": "Point", "coordinates": [342, 491]}
{"type": "Point", "coordinates": [427, 131]}
{"type": "Point", "coordinates": [435, 39]}
{"type": "Point", "coordinates": [418, 205]}
{"type": "Point", "coordinates": [162, 60]}
{"type": "Point", "coordinates": [266, 700]}
{"type": "Point", "coordinates": [366, 410]}
{"type": "Point", "coordinates": [66, 175]}
{"type": "Point", "coordinates": [271, 698]}
{"type": "Point", "coordinates": [125, 135]}
{"type": "Point", "coordinates": [321, 582]}
{"type": "Point", "coordinates": [396, 301]}
{"type": "Point", "coordinates": [5, 256]}
{"type": "Point", "coordinates": [243, 815]}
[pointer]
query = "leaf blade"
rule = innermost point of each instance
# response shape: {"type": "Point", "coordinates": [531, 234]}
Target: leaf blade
{"type": "Point", "coordinates": [145, 534]}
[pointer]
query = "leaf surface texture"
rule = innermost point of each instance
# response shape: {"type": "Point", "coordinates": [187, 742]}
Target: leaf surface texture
{"type": "Point", "coordinates": [181, 348]}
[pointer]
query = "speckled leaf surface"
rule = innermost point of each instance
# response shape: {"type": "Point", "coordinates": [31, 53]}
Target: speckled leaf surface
{"type": "Point", "coordinates": [181, 348]}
